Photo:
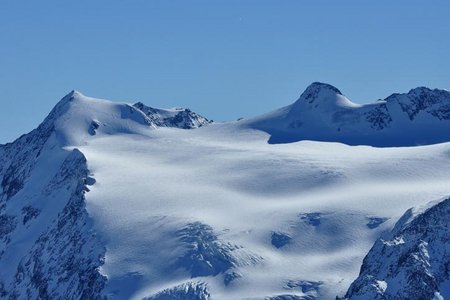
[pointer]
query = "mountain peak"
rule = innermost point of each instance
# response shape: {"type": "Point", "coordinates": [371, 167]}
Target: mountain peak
{"type": "Point", "coordinates": [72, 95]}
{"type": "Point", "coordinates": [419, 89]}
{"type": "Point", "coordinates": [319, 90]}
{"type": "Point", "coordinates": [75, 93]}
{"type": "Point", "coordinates": [69, 97]}
{"type": "Point", "coordinates": [323, 85]}
{"type": "Point", "coordinates": [323, 113]}
{"type": "Point", "coordinates": [321, 96]}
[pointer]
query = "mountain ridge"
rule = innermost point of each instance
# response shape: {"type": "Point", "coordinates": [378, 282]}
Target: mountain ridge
{"type": "Point", "coordinates": [323, 113]}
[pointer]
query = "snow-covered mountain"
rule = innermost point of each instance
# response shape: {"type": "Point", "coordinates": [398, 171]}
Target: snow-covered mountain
{"type": "Point", "coordinates": [323, 113]}
{"type": "Point", "coordinates": [118, 201]}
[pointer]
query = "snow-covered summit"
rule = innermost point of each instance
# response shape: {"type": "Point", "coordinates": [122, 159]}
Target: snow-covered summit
{"type": "Point", "coordinates": [320, 97]}
{"type": "Point", "coordinates": [76, 117]}
{"type": "Point", "coordinates": [323, 113]}
{"type": "Point", "coordinates": [319, 91]}
{"type": "Point", "coordinates": [321, 86]}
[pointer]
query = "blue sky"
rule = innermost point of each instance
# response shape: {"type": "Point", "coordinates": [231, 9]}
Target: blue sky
{"type": "Point", "coordinates": [223, 59]}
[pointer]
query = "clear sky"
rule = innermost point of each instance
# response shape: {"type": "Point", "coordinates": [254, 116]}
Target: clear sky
{"type": "Point", "coordinates": [222, 58]}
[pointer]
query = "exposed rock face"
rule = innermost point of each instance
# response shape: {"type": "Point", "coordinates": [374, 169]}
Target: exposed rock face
{"type": "Point", "coordinates": [64, 260]}
{"type": "Point", "coordinates": [7, 225]}
{"type": "Point", "coordinates": [182, 118]}
{"type": "Point", "coordinates": [206, 254]}
{"type": "Point", "coordinates": [187, 291]}
{"type": "Point", "coordinates": [422, 99]}
{"type": "Point", "coordinates": [317, 90]}
{"type": "Point", "coordinates": [280, 239]}
{"type": "Point", "coordinates": [18, 159]}
{"type": "Point", "coordinates": [412, 262]}
{"type": "Point", "coordinates": [379, 117]}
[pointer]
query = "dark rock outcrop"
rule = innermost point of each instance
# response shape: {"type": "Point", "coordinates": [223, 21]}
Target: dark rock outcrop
{"type": "Point", "coordinates": [182, 118]}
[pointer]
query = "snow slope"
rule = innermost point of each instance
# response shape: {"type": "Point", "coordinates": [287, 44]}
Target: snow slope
{"type": "Point", "coordinates": [215, 212]}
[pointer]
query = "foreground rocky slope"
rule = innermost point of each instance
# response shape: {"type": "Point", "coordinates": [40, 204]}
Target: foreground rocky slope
{"type": "Point", "coordinates": [412, 261]}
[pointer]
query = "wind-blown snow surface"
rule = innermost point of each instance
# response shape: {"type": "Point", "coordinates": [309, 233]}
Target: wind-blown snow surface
{"type": "Point", "coordinates": [217, 212]}
{"type": "Point", "coordinates": [150, 187]}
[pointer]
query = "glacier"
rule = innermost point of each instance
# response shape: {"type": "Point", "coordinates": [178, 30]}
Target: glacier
{"type": "Point", "coordinates": [109, 200]}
